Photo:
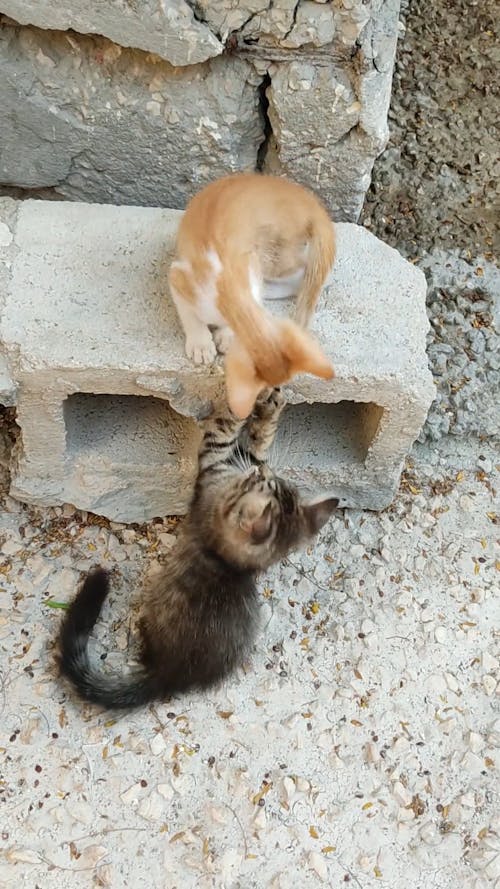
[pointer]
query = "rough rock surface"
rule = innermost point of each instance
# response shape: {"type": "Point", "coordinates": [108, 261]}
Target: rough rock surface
{"type": "Point", "coordinates": [463, 301]}
{"type": "Point", "coordinates": [359, 747]}
{"type": "Point", "coordinates": [435, 196]}
{"type": "Point", "coordinates": [438, 183]}
{"type": "Point", "coordinates": [301, 89]}
{"type": "Point", "coordinates": [112, 125]}
{"type": "Point", "coordinates": [168, 29]}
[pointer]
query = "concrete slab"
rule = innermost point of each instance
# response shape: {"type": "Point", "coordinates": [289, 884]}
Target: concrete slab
{"type": "Point", "coordinates": [108, 403]}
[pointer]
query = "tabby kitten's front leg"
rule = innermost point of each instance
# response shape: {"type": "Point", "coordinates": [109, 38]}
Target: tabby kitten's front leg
{"type": "Point", "coordinates": [220, 439]}
{"type": "Point", "coordinates": [263, 423]}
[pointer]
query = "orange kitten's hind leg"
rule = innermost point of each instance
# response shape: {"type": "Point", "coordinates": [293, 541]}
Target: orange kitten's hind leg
{"type": "Point", "coordinates": [319, 262]}
{"type": "Point", "coordinates": [200, 347]}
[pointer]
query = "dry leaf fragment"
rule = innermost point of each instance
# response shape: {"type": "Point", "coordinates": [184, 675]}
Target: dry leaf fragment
{"type": "Point", "coordinates": [177, 836]}
{"type": "Point", "coordinates": [73, 851]}
{"type": "Point", "coordinates": [417, 806]}
{"type": "Point", "coordinates": [261, 793]}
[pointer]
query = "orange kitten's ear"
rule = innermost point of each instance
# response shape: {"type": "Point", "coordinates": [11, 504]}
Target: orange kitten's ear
{"type": "Point", "coordinates": [242, 384]}
{"type": "Point", "coordinates": [304, 352]}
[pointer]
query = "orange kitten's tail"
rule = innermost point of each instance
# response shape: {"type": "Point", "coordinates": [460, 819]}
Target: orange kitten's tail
{"type": "Point", "coordinates": [320, 259]}
{"type": "Point", "coordinates": [265, 351]}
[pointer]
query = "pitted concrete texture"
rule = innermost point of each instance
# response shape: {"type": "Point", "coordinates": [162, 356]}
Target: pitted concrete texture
{"type": "Point", "coordinates": [107, 401]}
{"type": "Point", "coordinates": [188, 92]}
{"type": "Point", "coordinates": [168, 29]}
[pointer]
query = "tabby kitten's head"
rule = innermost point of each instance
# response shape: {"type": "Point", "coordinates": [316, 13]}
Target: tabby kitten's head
{"type": "Point", "coordinates": [254, 518]}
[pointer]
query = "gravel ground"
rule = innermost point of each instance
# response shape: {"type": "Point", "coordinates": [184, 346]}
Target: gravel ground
{"type": "Point", "coordinates": [438, 183]}
{"type": "Point", "coordinates": [360, 747]}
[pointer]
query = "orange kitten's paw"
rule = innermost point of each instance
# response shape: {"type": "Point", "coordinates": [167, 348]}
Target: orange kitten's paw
{"type": "Point", "coordinates": [222, 338]}
{"type": "Point", "coordinates": [201, 349]}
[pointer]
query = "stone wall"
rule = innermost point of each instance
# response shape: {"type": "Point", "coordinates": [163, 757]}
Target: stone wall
{"type": "Point", "coordinates": [144, 101]}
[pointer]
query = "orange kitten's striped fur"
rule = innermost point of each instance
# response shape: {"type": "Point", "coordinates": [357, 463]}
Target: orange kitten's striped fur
{"type": "Point", "coordinates": [243, 238]}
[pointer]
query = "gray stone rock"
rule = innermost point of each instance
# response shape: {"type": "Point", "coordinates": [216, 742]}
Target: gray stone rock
{"type": "Point", "coordinates": [8, 216]}
{"type": "Point", "coordinates": [304, 93]}
{"type": "Point", "coordinates": [316, 134]}
{"type": "Point", "coordinates": [329, 119]}
{"type": "Point", "coordinates": [168, 29]}
{"type": "Point", "coordinates": [114, 125]}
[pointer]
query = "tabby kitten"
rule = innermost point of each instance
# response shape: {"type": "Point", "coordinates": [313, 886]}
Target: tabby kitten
{"type": "Point", "coordinates": [200, 619]}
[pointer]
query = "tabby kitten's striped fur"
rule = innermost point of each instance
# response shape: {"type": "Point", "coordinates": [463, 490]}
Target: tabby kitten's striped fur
{"type": "Point", "coordinates": [199, 621]}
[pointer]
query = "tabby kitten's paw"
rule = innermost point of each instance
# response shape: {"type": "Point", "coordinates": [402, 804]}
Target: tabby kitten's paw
{"type": "Point", "coordinates": [270, 400]}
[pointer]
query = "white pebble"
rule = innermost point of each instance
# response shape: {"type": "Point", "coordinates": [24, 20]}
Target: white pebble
{"type": "Point", "coordinates": [152, 807]}
{"type": "Point", "coordinates": [80, 811]}
{"type": "Point", "coordinates": [451, 682]}
{"type": "Point", "coordinates": [131, 796]}
{"type": "Point", "coordinates": [371, 753]}
{"type": "Point", "coordinates": [489, 684]}
{"type": "Point", "coordinates": [401, 794]}
{"type": "Point", "coordinates": [318, 865]}
{"type": "Point", "coordinates": [11, 547]}
{"type": "Point", "coordinates": [476, 742]}
{"type": "Point", "coordinates": [260, 819]}
{"type": "Point", "coordinates": [488, 663]}
{"type": "Point", "coordinates": [429, 834]}
{"type": "Point", "coordinates": [440, 635]}
{"type": "Point", "coordinates": [302, 785]}
{"type": "Point", "coordinates": [157, 745]}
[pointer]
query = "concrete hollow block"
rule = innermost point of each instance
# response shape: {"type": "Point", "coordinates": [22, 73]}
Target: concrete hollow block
{"type": "Point", "coordinates": [109, 407]}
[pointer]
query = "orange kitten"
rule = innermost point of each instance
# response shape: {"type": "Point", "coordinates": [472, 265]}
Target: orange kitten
{"type": "Point", "coordinates": [244, 238]}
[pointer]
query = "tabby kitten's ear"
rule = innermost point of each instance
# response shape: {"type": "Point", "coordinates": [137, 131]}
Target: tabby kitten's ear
{"type": "Point", "coordinates": [318, 513]}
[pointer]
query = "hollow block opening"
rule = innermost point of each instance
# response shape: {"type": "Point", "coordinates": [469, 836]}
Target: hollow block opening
{"type": "Point", "coordinates": [322, 435]}
{"type": "Point", "coordinates": [127, 429]}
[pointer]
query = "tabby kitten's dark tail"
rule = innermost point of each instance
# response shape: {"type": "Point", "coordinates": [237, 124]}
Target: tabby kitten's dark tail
{"type": "Point", "coordinates": [108, 691]}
